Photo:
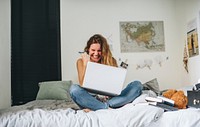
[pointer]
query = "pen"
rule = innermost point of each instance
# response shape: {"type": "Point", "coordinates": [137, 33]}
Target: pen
{"type": "Point", "coordinates": [81, 52]}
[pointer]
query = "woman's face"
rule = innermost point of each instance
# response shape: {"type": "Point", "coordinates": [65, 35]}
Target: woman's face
{"type": "Point", "coordinates": [95, 52]}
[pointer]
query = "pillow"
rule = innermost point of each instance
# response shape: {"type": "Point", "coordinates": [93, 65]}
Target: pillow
{"type": "Point", "coordinates": [54, 90]}
{"type": "Point", "coordinates": [152, 85]}
{"type": "Point", "coordinates": [141, 98]}
{"type": "Point", "coordinates": [150, 93]}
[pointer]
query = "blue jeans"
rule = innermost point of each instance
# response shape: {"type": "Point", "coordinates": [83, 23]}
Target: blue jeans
{"type": "Point", "coordinates": [85, 100]}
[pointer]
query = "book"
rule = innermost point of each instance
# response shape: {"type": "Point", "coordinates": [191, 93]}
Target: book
{"type": "Point", "coordinates": [167, 100]}
{"type": "Point", "coordinates": [159, 105]}
{"type": "Point", "coordinates": [164, 106]}
{"type": "Point", "coordinates": [160, 99]}
{"type": "Point", "coordinates": [153, 99]}
{"type": "Point", "coordinates": [146, 103]}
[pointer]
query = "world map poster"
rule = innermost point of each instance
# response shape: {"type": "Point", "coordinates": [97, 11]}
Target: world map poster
{"type": "Point", "coordinates": [142, 36]}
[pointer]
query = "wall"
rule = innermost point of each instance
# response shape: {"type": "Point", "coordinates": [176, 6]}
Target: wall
{"type": "Point", "coordinates": [5, 80]}
{"type": "Point", "coordinates": [191, 10]}
{"type": "Point", "coordinates": [82, 19]}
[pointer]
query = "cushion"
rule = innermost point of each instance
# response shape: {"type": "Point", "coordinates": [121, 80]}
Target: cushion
{"type": "Point", "coordinates": [54, 90]}
{"type": "Point", "coordinates": [152, 85]}
{"type": "Point", "coordinates": [141, 98]}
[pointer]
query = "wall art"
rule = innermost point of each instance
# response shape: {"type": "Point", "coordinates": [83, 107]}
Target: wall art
{"type": "Point", "coordinates": [142, 36]}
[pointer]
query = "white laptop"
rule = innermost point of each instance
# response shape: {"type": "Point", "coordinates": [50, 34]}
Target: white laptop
{"type": "Point", "coordinates": [104, 79]}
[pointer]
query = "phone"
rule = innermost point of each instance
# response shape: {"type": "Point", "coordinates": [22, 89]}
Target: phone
{"type": "Point", "coordinates": [81, 52]}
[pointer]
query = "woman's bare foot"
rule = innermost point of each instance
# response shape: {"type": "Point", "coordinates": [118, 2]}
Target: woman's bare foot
{"type": "Point", "coordinates": [87, 110]}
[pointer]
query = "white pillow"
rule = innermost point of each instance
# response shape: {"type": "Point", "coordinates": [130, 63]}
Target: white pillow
{"type": "Point", "coordinates": [145, 93]}
{"type": "Point", "coordinates": [140, 99]}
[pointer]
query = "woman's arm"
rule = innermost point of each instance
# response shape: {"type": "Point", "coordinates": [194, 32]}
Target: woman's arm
{"type": "Point", "coordinates": [81, 67]}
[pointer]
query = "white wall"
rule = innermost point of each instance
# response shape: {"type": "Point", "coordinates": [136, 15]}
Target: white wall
{"type": "Point", "coordinates": [191, 9]}
{"type": "Point", "coordinates": [81, 19]}
{"type": "Point", "coordinates": [5, 80]}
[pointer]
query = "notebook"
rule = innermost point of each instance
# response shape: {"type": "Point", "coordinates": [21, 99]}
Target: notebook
{"type": "Point", "coordinates": [103, 79]}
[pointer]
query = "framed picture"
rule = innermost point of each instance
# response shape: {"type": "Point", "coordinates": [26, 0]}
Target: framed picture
{"type": "Point", "coordinates": [142, 36]}
{"type": "Point", "coordinates": [192, 38]}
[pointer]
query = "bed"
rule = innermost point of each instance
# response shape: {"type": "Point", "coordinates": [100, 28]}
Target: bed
{"type": "Point", "coordinates": [60, 111]}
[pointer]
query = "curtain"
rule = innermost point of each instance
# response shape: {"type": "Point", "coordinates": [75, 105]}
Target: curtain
{"type": "Point", "coordinates": [35, 46]}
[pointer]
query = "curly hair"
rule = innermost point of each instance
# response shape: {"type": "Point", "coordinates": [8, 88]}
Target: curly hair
{"type": "Point", "coordinates": [107, 57]}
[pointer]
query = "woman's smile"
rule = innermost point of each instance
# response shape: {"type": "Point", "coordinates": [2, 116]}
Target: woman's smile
{"type": "Point", "coordinates": [95, 52]}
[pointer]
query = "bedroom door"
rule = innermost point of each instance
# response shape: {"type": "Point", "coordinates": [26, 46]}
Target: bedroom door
{"type": "Point", "coordinates": [35, 46]}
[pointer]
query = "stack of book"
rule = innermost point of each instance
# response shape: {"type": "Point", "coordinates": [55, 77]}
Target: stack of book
{"type": "Point", "coordinates": [162, 102]}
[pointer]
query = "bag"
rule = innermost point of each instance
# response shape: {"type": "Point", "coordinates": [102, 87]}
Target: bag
{"type": "Point", "coordinates": [193, 98]}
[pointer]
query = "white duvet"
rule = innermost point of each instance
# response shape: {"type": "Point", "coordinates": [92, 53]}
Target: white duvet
{"type": "Point", "coordinates": [183, 118]}
{"type": "Point", "coordinates": [127, 116]}
{"type": "Point", "coordinates": [60, 114]}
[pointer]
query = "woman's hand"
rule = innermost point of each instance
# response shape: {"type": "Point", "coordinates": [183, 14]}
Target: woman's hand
{"type": "Point", "coordinates": [85, 57]}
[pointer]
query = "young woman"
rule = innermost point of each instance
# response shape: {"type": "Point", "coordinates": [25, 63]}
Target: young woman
{"type": "Point", "coordinates": [97, 50]}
